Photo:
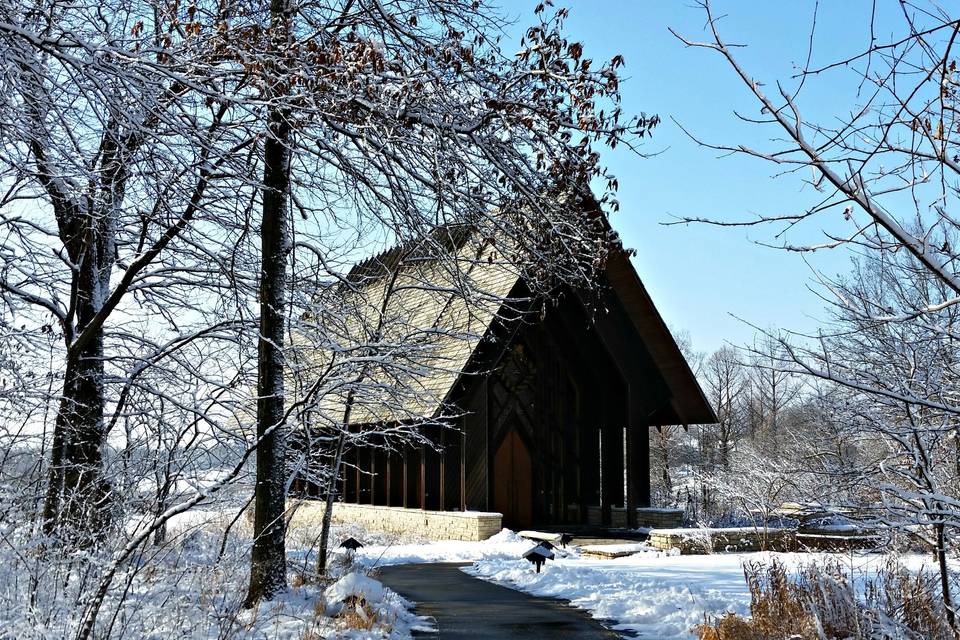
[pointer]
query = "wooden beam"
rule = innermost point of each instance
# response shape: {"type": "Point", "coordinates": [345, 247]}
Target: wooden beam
{"type": "Point", "coordinates": [388, 487]}
{"type": "Point", "coordinates": [423, 477]}
{"type": "Point", "coordinates": [356, 469]}
{"type": "Point", "coordinates": [373, 475]}
{"type": "Point", "coordinates": [406, 471]}
{"type": "Point", "coordinates": [443, 471]}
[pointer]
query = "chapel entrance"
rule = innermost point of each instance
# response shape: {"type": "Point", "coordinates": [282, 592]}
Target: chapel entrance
{"type": "Point", "coordinates": [513, 482]}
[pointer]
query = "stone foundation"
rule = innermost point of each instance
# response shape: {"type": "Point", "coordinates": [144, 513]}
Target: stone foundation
{"type": "Point", "coordinates": [659, 517]}
{"type": "Point", "coordinates": [434, 525]}
{"type": "Point", "coordinates": [618, 517]}
{"type": "Point", "coordinates": [594, 515]}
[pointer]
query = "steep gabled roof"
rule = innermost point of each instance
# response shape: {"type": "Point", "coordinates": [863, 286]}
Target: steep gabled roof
{"type": "Point", "coordinates": [437, 312]}
{"type": "Point", "coordinates": [689, 404]}
{"type": "Point", "coordinates": [431, 313]}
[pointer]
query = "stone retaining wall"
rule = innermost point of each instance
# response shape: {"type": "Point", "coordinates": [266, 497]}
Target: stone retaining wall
{"type": "Point", "coordinates": [434, 525]}
{"type": "Point", "coordinates": [701, 541]}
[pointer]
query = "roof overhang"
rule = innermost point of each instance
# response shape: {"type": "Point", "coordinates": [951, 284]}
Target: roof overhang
{"type": "Point", "coordinates": [688, 404]}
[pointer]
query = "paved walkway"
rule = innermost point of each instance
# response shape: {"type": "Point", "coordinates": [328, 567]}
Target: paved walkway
{"type": "Point", "coordinates": [467, 607]}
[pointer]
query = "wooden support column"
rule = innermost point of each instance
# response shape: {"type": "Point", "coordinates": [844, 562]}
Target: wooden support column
{"type": "Point", "coordinates": [463, 470]}
{"type": "Point", "coordinates": [387, 476]}
{"type": "Point", "coordinates": [379, 468]}
{"type": "Point", "coordinates": [453, 470]}
{"type": "Point", "coordinates": [423, 477]}
{"type": "Point", "coordinates": [351, 487]}
{"type": "Point", "coordinates": [637, 472]}
{"type": "Point", "coordinates": [442, 502]}
{"type": "Point", "coordinates": [642, 456]}
{"type": "Point", "coordinates": [406, 477]}
{"type": "Point", "coordinates": [413, 485]}
{"type": "Point", "coordinates": [374, 478]}
{"type": "Point", "coordinates": [433, 462]}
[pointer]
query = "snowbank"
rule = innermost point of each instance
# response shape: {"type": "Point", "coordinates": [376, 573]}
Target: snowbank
{"type": "Point", "coordinates": [354, 585]}
{"type": "Point", "coordinates": [653, 594]}
{"type": "Point", "coordinates": [505, 544]}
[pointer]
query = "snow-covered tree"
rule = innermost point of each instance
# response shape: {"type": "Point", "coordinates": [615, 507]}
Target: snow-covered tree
{"type": "Point", "coordinates": [402, 117]}
{"type": "Point", "coordinates": [883, 173]}
{"type": "Point", "coordinates": [116, 140]}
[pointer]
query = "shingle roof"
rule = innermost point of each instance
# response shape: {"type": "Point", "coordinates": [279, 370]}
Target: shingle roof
{"type": "Point", "coordinates": [431, 314]}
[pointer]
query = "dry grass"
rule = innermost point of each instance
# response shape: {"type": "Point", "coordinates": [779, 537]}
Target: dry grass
{"type": "Point", "coordinates": [820, 603]}
{"type": "Point", "coordinates": [302, 578]}
{"type": "Point", "coordinates": [912, 599]}
{"type": "Point", "coordinates": [729, 627]}
{"type": "Point", "coordinates": [357, 614]}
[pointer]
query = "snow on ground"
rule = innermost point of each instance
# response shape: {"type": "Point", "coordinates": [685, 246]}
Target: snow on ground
{"type": "Point", "coordinates": [191, 585]}
{"type": "Point", "coordinates": [653, 594]}
{"type": "Point", "coordinates": [503, 545]}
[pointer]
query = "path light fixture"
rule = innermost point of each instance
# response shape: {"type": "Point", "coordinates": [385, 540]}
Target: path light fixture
{"type": "Point", "coordinates": [538, 555]}
{"type": "Point", "coordinates": [351, 544]}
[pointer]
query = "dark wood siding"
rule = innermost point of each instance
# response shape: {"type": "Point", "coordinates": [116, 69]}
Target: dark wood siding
{"type": "Point", "coordinates": [474, 424]}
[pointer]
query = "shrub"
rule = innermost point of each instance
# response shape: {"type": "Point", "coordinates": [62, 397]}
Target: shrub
{"type": "Point", "coordinates": [820, 602]}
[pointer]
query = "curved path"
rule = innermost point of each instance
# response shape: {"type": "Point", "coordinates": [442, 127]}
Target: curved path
{"type": "Point", "coordinates": [467, 607]}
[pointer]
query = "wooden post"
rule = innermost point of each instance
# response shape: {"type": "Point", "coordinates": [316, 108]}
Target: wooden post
{"type": "Point", "coordinates": [406, 480]}
{"type": "Point", "coordinates": [443, 471]}
{"type": "Point", "coordinates": [356, 468]}
{"type": "Point", "coordinates": [630, 458]}
{"type": "Point", "coordinates": [373, 474]}
{"type": "Point", "coordinates": [388, 478]}
{"type": "Point", "coordinates": [423, 477]}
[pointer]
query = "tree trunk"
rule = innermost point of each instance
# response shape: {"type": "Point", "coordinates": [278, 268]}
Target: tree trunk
{"type": "Point", "coordinates": [944, 574]}
{"type": "Point", "coordinates": [268, 561]}
{"type": "Point", "coordinates": [328, 507]}
{"type": "Point", "coordinates": [77, 493]}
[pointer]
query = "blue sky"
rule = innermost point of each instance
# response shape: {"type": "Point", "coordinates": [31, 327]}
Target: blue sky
{"type": "Point", "coordinates": [702, 276]}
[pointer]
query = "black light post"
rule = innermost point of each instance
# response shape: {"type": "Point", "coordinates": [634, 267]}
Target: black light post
{"type": "Point", "coordinates": [539, 555]}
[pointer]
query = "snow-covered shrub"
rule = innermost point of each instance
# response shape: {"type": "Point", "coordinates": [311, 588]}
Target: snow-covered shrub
{"type": "Point", "coordinates": [822, 601]}
{"type": "Point", "coordinates": [697, 542]}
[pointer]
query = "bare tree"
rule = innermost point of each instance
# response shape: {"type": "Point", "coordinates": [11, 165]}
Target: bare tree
{"type": "Point", "coordinates": [771, 390]}
{"type": "Point", "coordinates": [105, 126]}
{"type": "Point", "coordinates": [727, 387]}
{"type": "Point", "coordinates": [885, 172]}
{"type": "Point", "coordinates": [407, 116]}
{"type": "Point", "coordinates": [268, 563]}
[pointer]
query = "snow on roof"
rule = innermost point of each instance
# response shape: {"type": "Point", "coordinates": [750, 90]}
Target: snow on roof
{"type": "Point", "coordinates": [436, 310]}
